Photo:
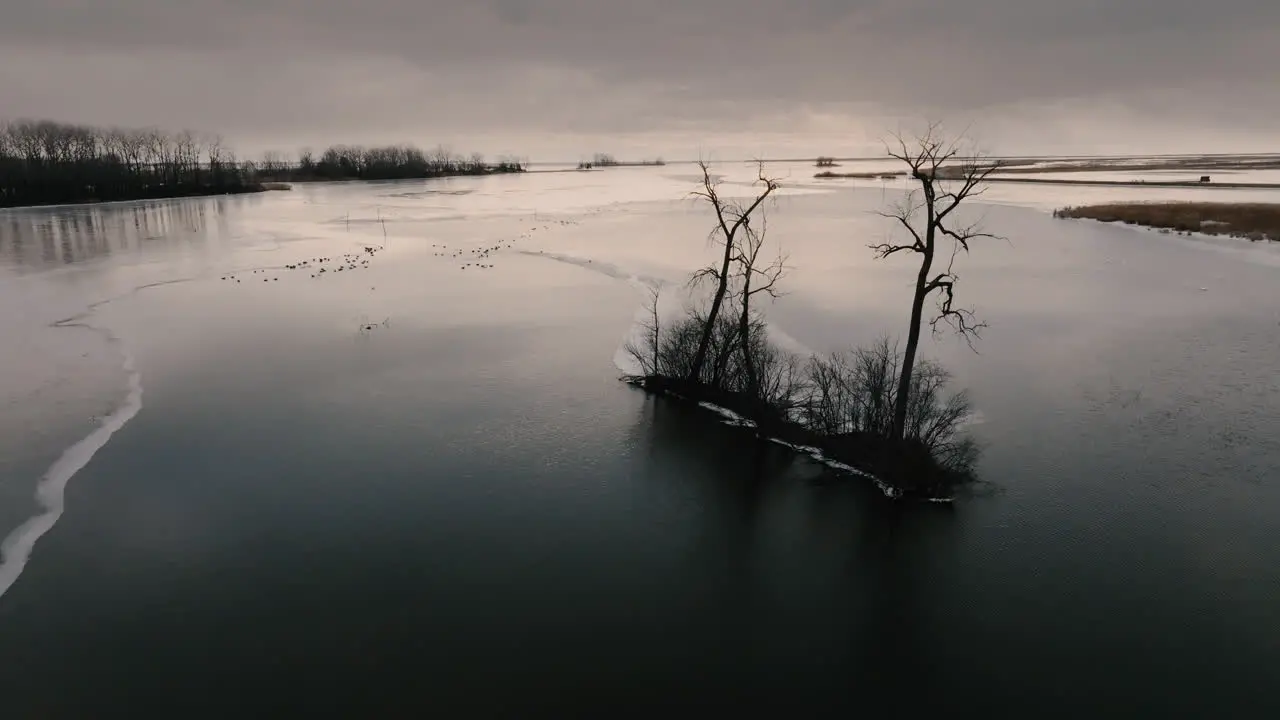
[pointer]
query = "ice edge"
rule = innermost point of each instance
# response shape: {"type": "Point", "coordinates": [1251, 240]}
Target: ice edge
{"type": "Point", "coordinates": [16, 548]}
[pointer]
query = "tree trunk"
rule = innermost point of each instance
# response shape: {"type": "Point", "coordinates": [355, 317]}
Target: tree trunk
{"type": "Point", "coordinates": [744, 338]}
{"type": "Point", "coordinates": [709, 327]}
{"type": "Point", "coordinates": [657, 335]}
{"type": "Point", "coordinates": [903, 397]}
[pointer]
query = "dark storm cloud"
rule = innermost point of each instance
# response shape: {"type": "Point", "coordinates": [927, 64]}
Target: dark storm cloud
{"type": "Point", "coordinates": [324, 67]}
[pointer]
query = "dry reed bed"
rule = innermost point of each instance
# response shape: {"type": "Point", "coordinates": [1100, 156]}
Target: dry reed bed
{"type": "Point", "coordinates": [1254, 221]}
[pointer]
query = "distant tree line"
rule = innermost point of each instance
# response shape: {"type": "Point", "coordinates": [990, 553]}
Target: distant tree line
{"type": "Point", "coordinates": [391, 162]}
{"type": "Point", "coordinates": [607, 160]}
{"type": "Point", "coordinates": [44, 162]}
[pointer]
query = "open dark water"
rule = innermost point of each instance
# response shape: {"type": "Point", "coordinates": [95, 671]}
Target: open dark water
{"type": "Point", "coordinates": [462, 511]}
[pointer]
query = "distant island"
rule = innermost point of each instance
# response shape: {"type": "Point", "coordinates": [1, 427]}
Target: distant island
{"type": "Point", "coordinates": [858, 175]}
{"type": "Point", "coordinates": [1252, 221]}
{"type": "Point", "coordinates": [603, 160]}
{"type": "Point", "coordinates": [43, 162]}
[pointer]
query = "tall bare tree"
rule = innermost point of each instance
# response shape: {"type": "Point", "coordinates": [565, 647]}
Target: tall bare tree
{"type": "Point", "coordinates": [273, 163]}
{"type": "Point", "coordinates": [946, 177]}
{"type": "Point", "coordinates": [754, 279]}
{"type": "Point", "coordinates": [731, 217]}
{"type": "Point", "coordinates": [647, 349]}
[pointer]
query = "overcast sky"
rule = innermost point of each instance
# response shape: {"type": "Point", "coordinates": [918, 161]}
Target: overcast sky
{"type": "Point", "coordinates": [559, 79]}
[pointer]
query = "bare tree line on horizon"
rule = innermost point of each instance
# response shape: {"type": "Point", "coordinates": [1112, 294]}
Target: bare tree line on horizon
{"type": "Point", "coordinates": [45, 162]}
{"type": "Point", "coordinates": [388, 162]}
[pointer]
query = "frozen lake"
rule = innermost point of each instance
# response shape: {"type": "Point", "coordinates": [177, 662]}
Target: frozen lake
{"type": "Point", "coordinates": [418, 484]}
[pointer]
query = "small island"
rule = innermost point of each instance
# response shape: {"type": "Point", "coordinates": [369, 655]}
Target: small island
{"type": "Point", "coordinates": [827, 175]}
{"type": "Point", "coordinates": [1252, 221]}
{"type": "Point", "coordinates": [875, 411]}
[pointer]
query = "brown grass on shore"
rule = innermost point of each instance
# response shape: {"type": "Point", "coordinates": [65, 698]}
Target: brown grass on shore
{"type": "Point", "coordinates": [1254, 221]}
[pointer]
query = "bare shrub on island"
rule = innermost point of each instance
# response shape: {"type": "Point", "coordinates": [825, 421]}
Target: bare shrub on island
{"type": "Point", "coordinates": [853, 394]}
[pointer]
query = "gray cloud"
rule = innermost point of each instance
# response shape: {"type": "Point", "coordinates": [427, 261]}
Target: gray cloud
{"type": "Point", "coordinates": [553, 72]}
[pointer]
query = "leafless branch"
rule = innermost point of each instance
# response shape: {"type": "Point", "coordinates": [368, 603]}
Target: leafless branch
{"type": "Point", "coordinates": [884, 250]}
{"type": "Point", "coordinates": [709, 192]}
{"type": "Point", "coordinates": [702, 275]}
{"type": "Point", "coordinates": [965, 235]}
{"type": "Point", "coordinates": [771, 274]}
{"type": "Point", "coordinates": [962, 320]}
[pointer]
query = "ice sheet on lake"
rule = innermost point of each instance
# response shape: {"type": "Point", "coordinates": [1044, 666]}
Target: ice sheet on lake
{"type": "Point", "coordinates": [599, 266]}
{"type": "Point", "coordinates": [15, 550]}
{"type": "Point", "coordinates": [1262, 252]}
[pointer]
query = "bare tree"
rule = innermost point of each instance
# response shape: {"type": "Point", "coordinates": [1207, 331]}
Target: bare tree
{"type": "Point", "coordinates": [647, 352]}
{"type": "Point", "coordinates": [306, 161]}
{"type": "Point", "coordinates": [273, 162]}
{"type": "Point", "coordinates": [442, 159]}
{"type": "Point", "coordinates": [754, 280]}
{"type": "Point", "coordinates": [731, 216]}
{"type": "Point", "coordinates": [186, 153]}
{"type": "Point", "coordinates": [943, 187]}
